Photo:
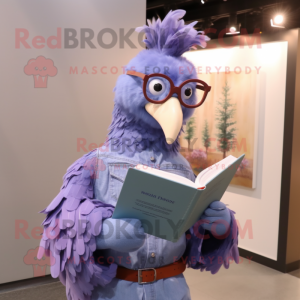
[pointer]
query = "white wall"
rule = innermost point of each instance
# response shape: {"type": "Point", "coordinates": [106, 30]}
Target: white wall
{"type": "Point", "coordinates": [39, 127]}
{"type": "Point", "coordinates": [259, 206]}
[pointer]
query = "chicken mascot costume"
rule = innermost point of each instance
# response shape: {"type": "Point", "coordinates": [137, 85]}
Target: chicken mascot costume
{"type": "Point", "coordinates": [97, 257]}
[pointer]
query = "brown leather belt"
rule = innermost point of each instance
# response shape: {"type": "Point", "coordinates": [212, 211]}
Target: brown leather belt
{"type": "Point", "coordinates": [151, 274]}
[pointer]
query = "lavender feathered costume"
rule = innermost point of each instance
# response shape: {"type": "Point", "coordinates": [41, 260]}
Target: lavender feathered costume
{"type": "Point", "coordinates": [74, 218]}
{"type": "Point", "coordinates": [73, 221]}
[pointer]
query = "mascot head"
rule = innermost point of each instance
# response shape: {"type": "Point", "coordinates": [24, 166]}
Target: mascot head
{"type": "Point", "coordinates": [158, 89]}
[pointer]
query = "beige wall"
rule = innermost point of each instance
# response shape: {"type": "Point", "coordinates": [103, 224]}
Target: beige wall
{"type": "Point", "coordinates": [293, 246]}
{"type": "Point", "coordinates": [39, 127]}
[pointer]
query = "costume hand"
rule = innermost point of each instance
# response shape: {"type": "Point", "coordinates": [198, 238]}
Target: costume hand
{"type": "Point", "coordinates": [217, 218]}
{"type": "Point", "coordinates": [124, 235]}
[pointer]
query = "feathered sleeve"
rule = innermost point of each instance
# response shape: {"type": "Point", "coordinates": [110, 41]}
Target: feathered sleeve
{"type": "Point", "coordinates": [206, 252]}
{"type": "Point", "coordinates": [73, 221]}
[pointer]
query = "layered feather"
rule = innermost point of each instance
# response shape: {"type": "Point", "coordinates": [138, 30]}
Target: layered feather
{"type": "Point", "coordinates": [74, 219]}
{"type": "Point", "coordinates": [128, 135]}
{"type": "Point", "coordinates": [171, 36]}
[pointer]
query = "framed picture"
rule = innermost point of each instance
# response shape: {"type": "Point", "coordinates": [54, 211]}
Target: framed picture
{"type": "Point", "coordinates": [226, 124]}
{"type": "Point", "coordinates": [263, 213]}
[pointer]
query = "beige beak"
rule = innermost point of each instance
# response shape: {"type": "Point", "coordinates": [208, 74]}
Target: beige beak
{"type": "Point", "coordinates": [169, 116]}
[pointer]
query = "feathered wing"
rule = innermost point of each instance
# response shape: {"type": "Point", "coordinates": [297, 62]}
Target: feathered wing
{"type": "Point", "coordinates": [220, 254]}
{"type": "Point", "coordinates": [73, 221]}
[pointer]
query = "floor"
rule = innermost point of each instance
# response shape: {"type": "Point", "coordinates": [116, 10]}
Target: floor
{"type": "Point", "coordinates": [246, 281]}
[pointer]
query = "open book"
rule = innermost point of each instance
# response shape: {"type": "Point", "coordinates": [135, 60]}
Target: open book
{"type": "Point", "coordinates": [168, 204]}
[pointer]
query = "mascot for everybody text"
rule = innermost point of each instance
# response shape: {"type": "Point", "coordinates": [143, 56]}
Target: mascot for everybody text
{"type": "Point", "coordinates": [97, 257]}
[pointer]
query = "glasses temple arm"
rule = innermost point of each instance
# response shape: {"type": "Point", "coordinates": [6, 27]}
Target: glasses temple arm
{"type": "Point", "coordinates": [203, 88]}
{"type": "Point", "coordinates": [134, 73]}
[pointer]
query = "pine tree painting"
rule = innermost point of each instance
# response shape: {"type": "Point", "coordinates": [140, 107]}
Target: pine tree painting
{"type": "Point", "coordinates": [190, 131]}
{"type": "Point", "coordinates": [225, 126]}
{"type": "Point", "coordinates": [206, 137]}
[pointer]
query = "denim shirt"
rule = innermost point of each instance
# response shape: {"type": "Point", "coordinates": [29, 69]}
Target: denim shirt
{"type": "Point", "coordinates": [155, 252]}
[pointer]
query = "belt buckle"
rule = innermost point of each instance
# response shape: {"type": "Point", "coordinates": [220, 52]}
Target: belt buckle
{"type": "Point", "coordinates": [140, 275]}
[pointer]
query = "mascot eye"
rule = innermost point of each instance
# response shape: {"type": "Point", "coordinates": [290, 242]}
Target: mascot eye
{"type": "Point", "coordinates": [157, 87]}
{"type": "Point", "coordinates": [36, 68]}
{"type": "Point", "coordinates": [188, 92]}
{"type": "Point", "coordinates": [45, 68]}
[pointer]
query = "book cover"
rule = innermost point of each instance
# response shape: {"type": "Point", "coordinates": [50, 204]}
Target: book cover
{"type": "Point", "coordinates": [167, 208]}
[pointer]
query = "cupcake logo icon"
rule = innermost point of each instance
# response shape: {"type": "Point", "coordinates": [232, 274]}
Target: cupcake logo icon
{"type": "Point", "coordinates": [39, 265]}
{"type": "Point", "coordinates": [40, 68]}
{"type": "Point", "coordinates": [94, 166]}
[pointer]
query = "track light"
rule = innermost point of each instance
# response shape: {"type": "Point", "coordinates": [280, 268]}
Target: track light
{"type": "Point", "coordinates": [233, 30]}
{"type": "Point", "coordinates": [278, 21]}
{"type": "Point", "coordinates": [203, 1]}
{"type": "Point", "coordinates": [234, 27]}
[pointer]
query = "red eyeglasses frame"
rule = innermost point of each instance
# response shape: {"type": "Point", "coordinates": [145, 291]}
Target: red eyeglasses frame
{"type": "Point", "coordinates": [173, 89]}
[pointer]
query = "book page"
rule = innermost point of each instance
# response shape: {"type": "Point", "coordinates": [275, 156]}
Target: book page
{"type": "Point", "coordinates": [161, 204]}
{"type": "Point", "coordinates": [167, 175]}
{"type": "Point", "coordinates": [211, 172]}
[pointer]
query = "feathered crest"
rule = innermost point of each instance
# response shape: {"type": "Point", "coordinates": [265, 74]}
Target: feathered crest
{"type": "Point", "coordinates": [171, 36]}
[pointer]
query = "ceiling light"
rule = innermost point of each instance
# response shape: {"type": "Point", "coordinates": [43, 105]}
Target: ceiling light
{"type": "Point", "coordinates": [234, 27]}
{"type": "Point", "coordinates": [278, 21]}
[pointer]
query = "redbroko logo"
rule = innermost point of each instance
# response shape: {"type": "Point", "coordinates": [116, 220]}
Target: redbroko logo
{"type": "Point", "coordinates": [40, 68]}
{"type": "Point", "coordinates": [72, 38]}
{"type": "Point", "coordinates": [107, 38]}
{"type": "Point", "coordinates": [39, 266]}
